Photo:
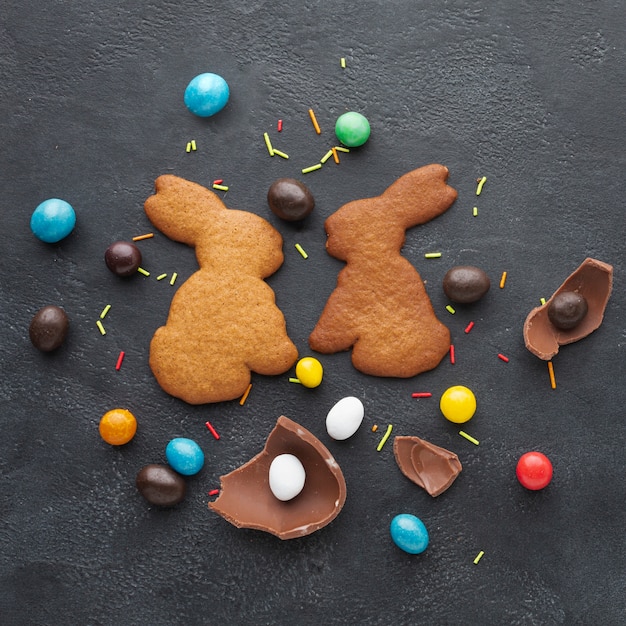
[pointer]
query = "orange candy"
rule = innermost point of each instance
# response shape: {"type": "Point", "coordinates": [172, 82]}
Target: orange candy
{"type": "Point", "coordinates": [118, 427]}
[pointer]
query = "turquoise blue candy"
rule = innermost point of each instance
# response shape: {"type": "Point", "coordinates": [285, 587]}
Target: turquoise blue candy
{"type": "Point", "coordinates": [206, 94]}
{"type": "Point", "coordinates": [185, 456]}
{"type": "Point", "coordinates": [352, 129]}
{"type": "Point", "coordinates": [409, 533]}
{"type": "Point", "coordinates": [53, 220]}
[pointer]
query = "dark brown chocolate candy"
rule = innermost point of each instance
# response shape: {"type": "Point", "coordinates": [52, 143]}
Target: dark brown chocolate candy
{"type": "Point", "coordinates": [593, 280]}
{"type": "Point", "coordinates": [48, 328]}
{"type": "Point", "coordinates": [247, 501]}
{"type": "Point", "coordinates": [290, 199]}
{"type": "Point", "coordinates": [465, 284]}
{"type": "Point", "coordinates": [123, 258]}
{"type": "Point", "coordinates": [567, 310]}
{"type": "Point", "coordinates": [160, 485]}
{"type": "Point", "coordinates": [427, 465]}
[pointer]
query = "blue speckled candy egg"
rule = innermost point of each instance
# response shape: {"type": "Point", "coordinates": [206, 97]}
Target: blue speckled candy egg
{"type": "Point", "coordinates": [53, 220]}
{"type": "Point", "coordinates": [206, 94]}
{"type": "Point", "coordinates": [409, 533]}
{"type": "Point", "coordinates": [185, 456]}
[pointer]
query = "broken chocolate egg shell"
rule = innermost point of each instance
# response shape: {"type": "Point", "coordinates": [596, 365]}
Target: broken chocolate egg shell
{"type": "Point", "coordinates": [246, 500]}
{"type": "Point", "coordinates": [594, 281]}
{"type": "Point", "coordinates": [427, 465]}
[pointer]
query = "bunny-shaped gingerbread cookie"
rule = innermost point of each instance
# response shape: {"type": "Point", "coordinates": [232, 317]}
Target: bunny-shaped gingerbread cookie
{"type": "Point", "coordinates": [223, 322]}
{"type": "Point", "coordinates": [380, 306]}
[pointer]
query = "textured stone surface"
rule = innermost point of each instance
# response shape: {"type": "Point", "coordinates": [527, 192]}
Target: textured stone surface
{"type": "Point", "coordinates": [91, 103]}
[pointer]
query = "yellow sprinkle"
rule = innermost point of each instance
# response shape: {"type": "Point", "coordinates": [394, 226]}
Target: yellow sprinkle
{"type": "Point", "coordinates": [173, 279]}
{"type": "Point", "coordinates": [193, 144]}
{"type": "Point", "coordinates": [189, 146]}
{"type": "Point", "coordinates": [220, 187]}
{"type": "Point", "coordinates": [101, 328]}
{"type": "Point", "coordinates": [142, 271]}
{"type": "Point", "coordinates": [161, 276]}
{"type": "Point", "coordinates": [384, 439]}
{"type": "Point", "coordinates": [326, 156]}
{"type": "Point", "coordinates": [475, 211]}
{"type": "Point", "coordinates": [335, 155]}
{"type": "Point", "coordinates": [552, 377]}
{"type": "Point", "coordinates": [450, 309]}
{"type": "Point", "coordinates": [543, 301]}
{"type": "Point", "coordinates": [300, 249]}
{"type": "Point", "coordinates": [342, 149]}
{"type": "Point", "coordinates": [478, 557]}
{"type": "Point", "coordinates": [318, 130]}
{"type": "Point", "coordinates": [106, 309]}
{"type": "Point", "coordinates": [469, 437]}
{"type": "Point", "coordinates": [294, 380]}
{"type": "Point", "coordinates": [343, 62]}
{"type": "Point", "coordinates": [503, 280]}
{"type": "Point", "coordinates": [246, 393]}
{"type": "Point", "coordinates": [268, 143]}
{"type": "Point", "coordinates": [374, 428]}
{"type": "Point", "coordinates": [481, 182]}
{"type": "Point", "coordinates": [141, 237]}
{"type": "Point", "coordinates": [432, 255]}
{"type": "Point", "coordinates": [281, 154]}
{"type": "Point", "coordinates": [317, 166]}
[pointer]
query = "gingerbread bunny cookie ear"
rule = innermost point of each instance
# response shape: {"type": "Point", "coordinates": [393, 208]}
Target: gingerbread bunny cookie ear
{"type": "Point", "coordinates": [380, 306]}
{"type": "Point", "coordinates": [223, 322]}
{"type": "Point", "coordinates": [179, 208]}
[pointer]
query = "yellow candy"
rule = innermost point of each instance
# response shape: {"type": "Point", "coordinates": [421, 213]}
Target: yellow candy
{"type": "Point", "coordinates": [309, 372]}
{"type": "Point", "coordinates": [458, 404]}
{"type": "Point", "coordinates": [118, 427]}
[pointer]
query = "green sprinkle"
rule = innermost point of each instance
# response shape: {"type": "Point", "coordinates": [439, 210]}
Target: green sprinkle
{"type": "Point", "coordinates": [268, 143]}
{"type": "Point", "coordinates": [432, 255]}
{"type": "Point", "coordinates": [162, 276]}
{"type": "Point", "coordinates": [481, 182]}
{"type": "Point", "coordinates": [468, 437]}
{"type": "Point", "coordinates": [189, 146]}
{"type": "Point", "coordinates": [101, 328]}
{"type": "Point", "coordinates": [300, 249]}
{"type": "Point", "coordinates": [384, 439]}
{"type": "Point", "coordinates": [450, 309]}
{"type": "Point", "coordinates": [106, 309]}
{"type": "Point", "coordinates": [326, 156]}
{"type": "Point", "coordinates": [543, 301]}
{"type": "Point", "coordinates": [142, 271]}
{"type": "Point", "coordinates": [306, 170]}
{"type": "Point", "coordinates": [193, 144]}
{"type": "Point", "coordinates": [475, 211]}
{"type": "Point", "coordinates": [295, 380]}
{"type": "Point", "coordinates": [478, 557]}
{"type": "Point", "coordinates": [173, 279]}
{"type": "Point", "coordinates": [343, 62]}
{"type": "Point", "coordinates": [220, 187]}
{"type": "Point", "coordinates": [280, 154]}
{"type": "Point", "coordinates": [342, 149]}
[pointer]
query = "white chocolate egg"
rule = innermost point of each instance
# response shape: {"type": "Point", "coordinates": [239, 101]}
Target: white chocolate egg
{"type": "Point", "coordinates": [287, 476]}
{"type": "Point", "coordinates": [344, 419]}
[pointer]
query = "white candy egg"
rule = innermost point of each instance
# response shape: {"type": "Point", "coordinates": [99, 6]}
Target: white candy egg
{"type": "Point", "coordinates": [344, 419]}
{"type": "Point", "coordinates": [287, 476]}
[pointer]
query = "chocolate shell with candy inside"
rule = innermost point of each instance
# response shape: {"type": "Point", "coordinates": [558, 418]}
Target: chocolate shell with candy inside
{"type": "Point", "coordinates": [593, 280]}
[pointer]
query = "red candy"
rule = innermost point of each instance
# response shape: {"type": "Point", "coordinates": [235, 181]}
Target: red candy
{"type": "Point", "coordinates": [534, 470]}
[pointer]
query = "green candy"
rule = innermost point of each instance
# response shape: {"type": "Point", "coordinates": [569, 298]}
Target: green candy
{"type": "Point", "coordinates": [352, 129]}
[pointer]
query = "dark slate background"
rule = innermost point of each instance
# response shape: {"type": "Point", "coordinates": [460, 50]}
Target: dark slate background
{"type": "Point", "coordinates": [530, 95]}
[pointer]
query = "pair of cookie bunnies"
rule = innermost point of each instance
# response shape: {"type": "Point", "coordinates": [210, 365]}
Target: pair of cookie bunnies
{"type": "Point", "coordinates": [224, 324]}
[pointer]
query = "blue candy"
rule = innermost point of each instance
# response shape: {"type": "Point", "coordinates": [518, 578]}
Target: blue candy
{"type": "Point", "coordinates": [185, 456]}
{"type": "Point", "coordinates": [206, 94]}
{"type": "Point", "coordinates": [53, 220]}
{"type": "Point", "coordinates": [409, 533]}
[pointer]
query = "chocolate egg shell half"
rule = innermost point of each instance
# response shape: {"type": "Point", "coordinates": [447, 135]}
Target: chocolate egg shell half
{"type": "Point", "coordinates": [427, 465]}
{"type": "Point", "coordinates": [246, 500]}
{"type": "Point", "coordinates": [594, 281]}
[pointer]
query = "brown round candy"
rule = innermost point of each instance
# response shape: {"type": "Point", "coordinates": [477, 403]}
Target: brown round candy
{"type": "Point", "coordinates": [160, 485]}
{"type": "Point", "coordinates": [123, 258]}
{"type": "Point", "coordinates": [567, 310]}
{"type": "Point", "coordinates": [290, 199]}
{"type": "Point", "coordinates": [465, 284]}
{"type": "Point", "coordinates": [48, 328]}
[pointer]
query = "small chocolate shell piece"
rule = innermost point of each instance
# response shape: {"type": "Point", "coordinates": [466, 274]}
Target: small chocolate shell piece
{"type": "Point", "coordinates": [247, 501]}
{"type": "Point", "coordinates": [427, 465]}
{"type": "Point", "coordinates": [593, 280]}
